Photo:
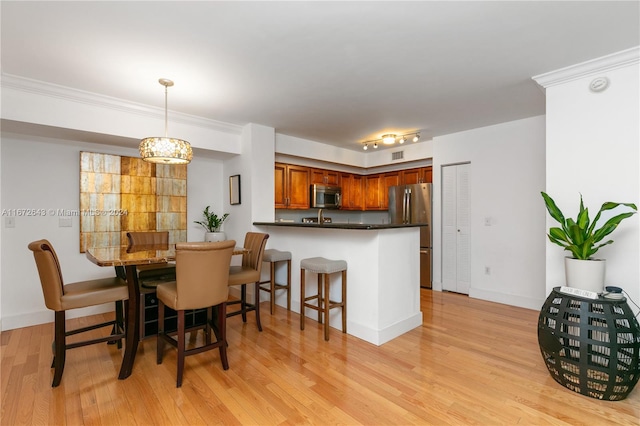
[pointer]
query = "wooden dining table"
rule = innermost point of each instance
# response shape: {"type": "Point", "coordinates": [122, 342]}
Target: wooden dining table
{"type": "Point", "coordinates": [130, 258]}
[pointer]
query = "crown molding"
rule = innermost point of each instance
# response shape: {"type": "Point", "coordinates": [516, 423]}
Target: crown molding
{"type": "Point", "coordinates": [42, 88]}
{"type": "Point", "coordinates": [574, 72]}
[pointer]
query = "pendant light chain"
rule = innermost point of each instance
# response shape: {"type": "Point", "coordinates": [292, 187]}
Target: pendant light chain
{"type": "Point", "coordinates": [166, 111]}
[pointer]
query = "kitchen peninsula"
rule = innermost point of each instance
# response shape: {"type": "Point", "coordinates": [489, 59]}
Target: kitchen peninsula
{"type": "Point", "coordinates": [383, 290]}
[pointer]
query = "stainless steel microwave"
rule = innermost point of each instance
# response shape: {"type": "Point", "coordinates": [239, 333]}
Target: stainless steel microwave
{"type": "Point", "coordinates": [326, 196]}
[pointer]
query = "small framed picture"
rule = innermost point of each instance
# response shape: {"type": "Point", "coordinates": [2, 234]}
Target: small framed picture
{"type": "Point", "coordinates": [234, 189]}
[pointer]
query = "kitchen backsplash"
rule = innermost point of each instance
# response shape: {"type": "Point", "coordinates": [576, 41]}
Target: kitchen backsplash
{"type": "Point", "coordinates": [337, 216]}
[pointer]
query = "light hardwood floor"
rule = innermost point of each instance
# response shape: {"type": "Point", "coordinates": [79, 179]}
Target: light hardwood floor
{"type": "Point", "coordinates": [471, 362]}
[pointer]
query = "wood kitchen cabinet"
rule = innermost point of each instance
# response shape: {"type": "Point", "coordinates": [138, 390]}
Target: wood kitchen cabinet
{"type": "Point", "coordinates": [352, 192]}
{"type": "Point", "coordinates": [325, 177]}
{"type": "Point", "coordinates": [373, 192]}
{"type": "Point", "coordinates": [291, 186]}
{"type": "Point", "coordinates": [359, 192]}
{"type": "Point", "coordinates": [389, 179]}
{"type": "Point", "coordinates": [418, 175]}
{"type": "Point", "coordinates": [428, 174]}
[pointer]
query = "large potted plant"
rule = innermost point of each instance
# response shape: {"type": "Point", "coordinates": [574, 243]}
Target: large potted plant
{"type": "Point", "coordinates": [212, 223]}
{"type": "Point", "coordinates": [583, 239]}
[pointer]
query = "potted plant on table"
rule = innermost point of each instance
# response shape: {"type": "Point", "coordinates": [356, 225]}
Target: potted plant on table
{"type": "Point", "coordinates": [212, 223]}
{"type": "Point", "coordinates": [583, 240]}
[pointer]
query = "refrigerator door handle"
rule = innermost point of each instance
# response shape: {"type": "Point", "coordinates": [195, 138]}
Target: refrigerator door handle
{"type": "Point", "coordinates": [406, 206]}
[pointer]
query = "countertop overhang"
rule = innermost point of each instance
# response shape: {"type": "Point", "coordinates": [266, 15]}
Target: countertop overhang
{"type": "Point", "coordinates": [363, 226]}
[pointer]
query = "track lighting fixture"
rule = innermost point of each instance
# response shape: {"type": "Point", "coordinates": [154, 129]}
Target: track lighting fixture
{"type": "Point", "coordinates": [390, 139]}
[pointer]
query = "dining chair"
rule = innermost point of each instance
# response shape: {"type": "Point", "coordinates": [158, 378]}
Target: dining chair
{"type": "Point", "coordinates": [149, 276]}
{"type": "Point", "coordinates": [249, 273]}
{"type": "Point", "coordinates": [201, 282]}
{"type": "Point", "coordinates": [61, 297]}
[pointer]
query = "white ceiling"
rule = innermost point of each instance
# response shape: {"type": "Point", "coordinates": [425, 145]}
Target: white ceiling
{"type": "Point", "coordinates": [333, 72]}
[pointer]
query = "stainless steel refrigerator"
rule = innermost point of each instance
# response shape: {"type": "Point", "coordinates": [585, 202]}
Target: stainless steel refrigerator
{"type": "Point", "coordinates": [412, 204]}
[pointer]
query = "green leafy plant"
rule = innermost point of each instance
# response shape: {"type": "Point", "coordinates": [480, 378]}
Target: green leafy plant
{"type": "Point", "coordinates": [211, 220]}
{"type": "Point", "coordinates": [580, 236]}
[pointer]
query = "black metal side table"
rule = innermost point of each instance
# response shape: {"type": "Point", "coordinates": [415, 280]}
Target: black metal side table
{"type": "Point", "coordinates": [591, 346]}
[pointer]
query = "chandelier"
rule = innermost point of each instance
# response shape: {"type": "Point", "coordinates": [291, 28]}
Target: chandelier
{"type": "Point", "coordinates": [165, 150]}
{"type": "Point", "coordinates": [390, 139]}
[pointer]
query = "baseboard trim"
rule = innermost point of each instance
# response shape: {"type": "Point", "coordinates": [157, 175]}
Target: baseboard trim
{"type": "Point", "coordinates": [47, 316]}
{"type": "Point", "coordinates": [382, 336]}
{"type": "Point", "coordinates": [507, 299]}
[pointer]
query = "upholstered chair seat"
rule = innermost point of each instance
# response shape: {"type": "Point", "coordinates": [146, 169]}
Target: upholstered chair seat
{"type": "Point", "coordinates": [249, 273]}
{"type": "Point", "coordinates": [201, 282]}
{"type": "Point", "coordinates": [61, 297]}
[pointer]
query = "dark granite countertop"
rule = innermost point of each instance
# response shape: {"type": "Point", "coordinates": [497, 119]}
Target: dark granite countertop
{"type": "Point", "coordinates": [364, 226]}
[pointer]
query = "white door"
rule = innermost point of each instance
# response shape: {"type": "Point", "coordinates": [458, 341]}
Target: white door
{"type": "Point", "coordinates": [456, 261]}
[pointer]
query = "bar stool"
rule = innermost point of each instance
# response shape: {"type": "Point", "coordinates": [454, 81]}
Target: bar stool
{"type": "Point", "coordinates": [324, 268]}
{"type": "Point", "coordinates": [274, 256]}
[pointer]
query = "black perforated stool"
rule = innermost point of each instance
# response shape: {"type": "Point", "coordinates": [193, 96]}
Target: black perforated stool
{"type": "Point", "coordinates": [274, 256]}
{"type": "Point", "coordinates": [324, 268]}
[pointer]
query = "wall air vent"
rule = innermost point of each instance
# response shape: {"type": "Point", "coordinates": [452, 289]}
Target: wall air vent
{"type": "Point", "coordinates": [398, 155]}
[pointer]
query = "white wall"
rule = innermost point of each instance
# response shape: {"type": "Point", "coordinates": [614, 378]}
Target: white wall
{"type": "Point", "coordinates": [507, 175]}
{"type": "Point", "coordinates": [1, 226]}
{"type": "Point", "coordinates": [593, 148]}
{"type": "Point", "coordinates": [30, 101]}
{"type": "Point", "coordinates": [304, 148]}
{"type": "Point", "coordinates": [44, 173]}
{"type": "Point", "coordinates": [411, 152]}
{"type": "Point", "coordinates": [255, 167]}
{"type": "Point", "coordinates": [349, 160]}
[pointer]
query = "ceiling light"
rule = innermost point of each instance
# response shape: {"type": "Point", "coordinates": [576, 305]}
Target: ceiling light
{"type": "Point", "coordinates": [388, 139]}
{"type": "Point", "coordinates": [165, 150]}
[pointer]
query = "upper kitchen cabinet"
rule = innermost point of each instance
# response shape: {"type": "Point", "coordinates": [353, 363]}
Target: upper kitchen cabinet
{"type": "Point", "coordinates": [291, 186]}
{"type": "Point", "coordinates": [373, 192]}
{"type": "Point", "coordinates": [359, 192]}
{"type": "Point", "coordinates": [389, 179]}
{"type": "Point", "coordinates": [376, 189]}
{"type": "Point", "coordinates": [419, 175]}
{"type": "Point", "coordinates": [352, 195]}
{"type": "Point", "coordinates": [428, 175]}
{"type": "Point", "coordinates": [325, 177]}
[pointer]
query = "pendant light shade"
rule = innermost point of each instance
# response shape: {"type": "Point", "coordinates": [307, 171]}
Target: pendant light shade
{"type": "Point", "coordinates": [165, 150]}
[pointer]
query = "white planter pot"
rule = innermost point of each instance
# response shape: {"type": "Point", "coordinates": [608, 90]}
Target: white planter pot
{"type": "Point", "coordinates": [585, 274]}
{"type": "Point", "coordinates": [214, 237]}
